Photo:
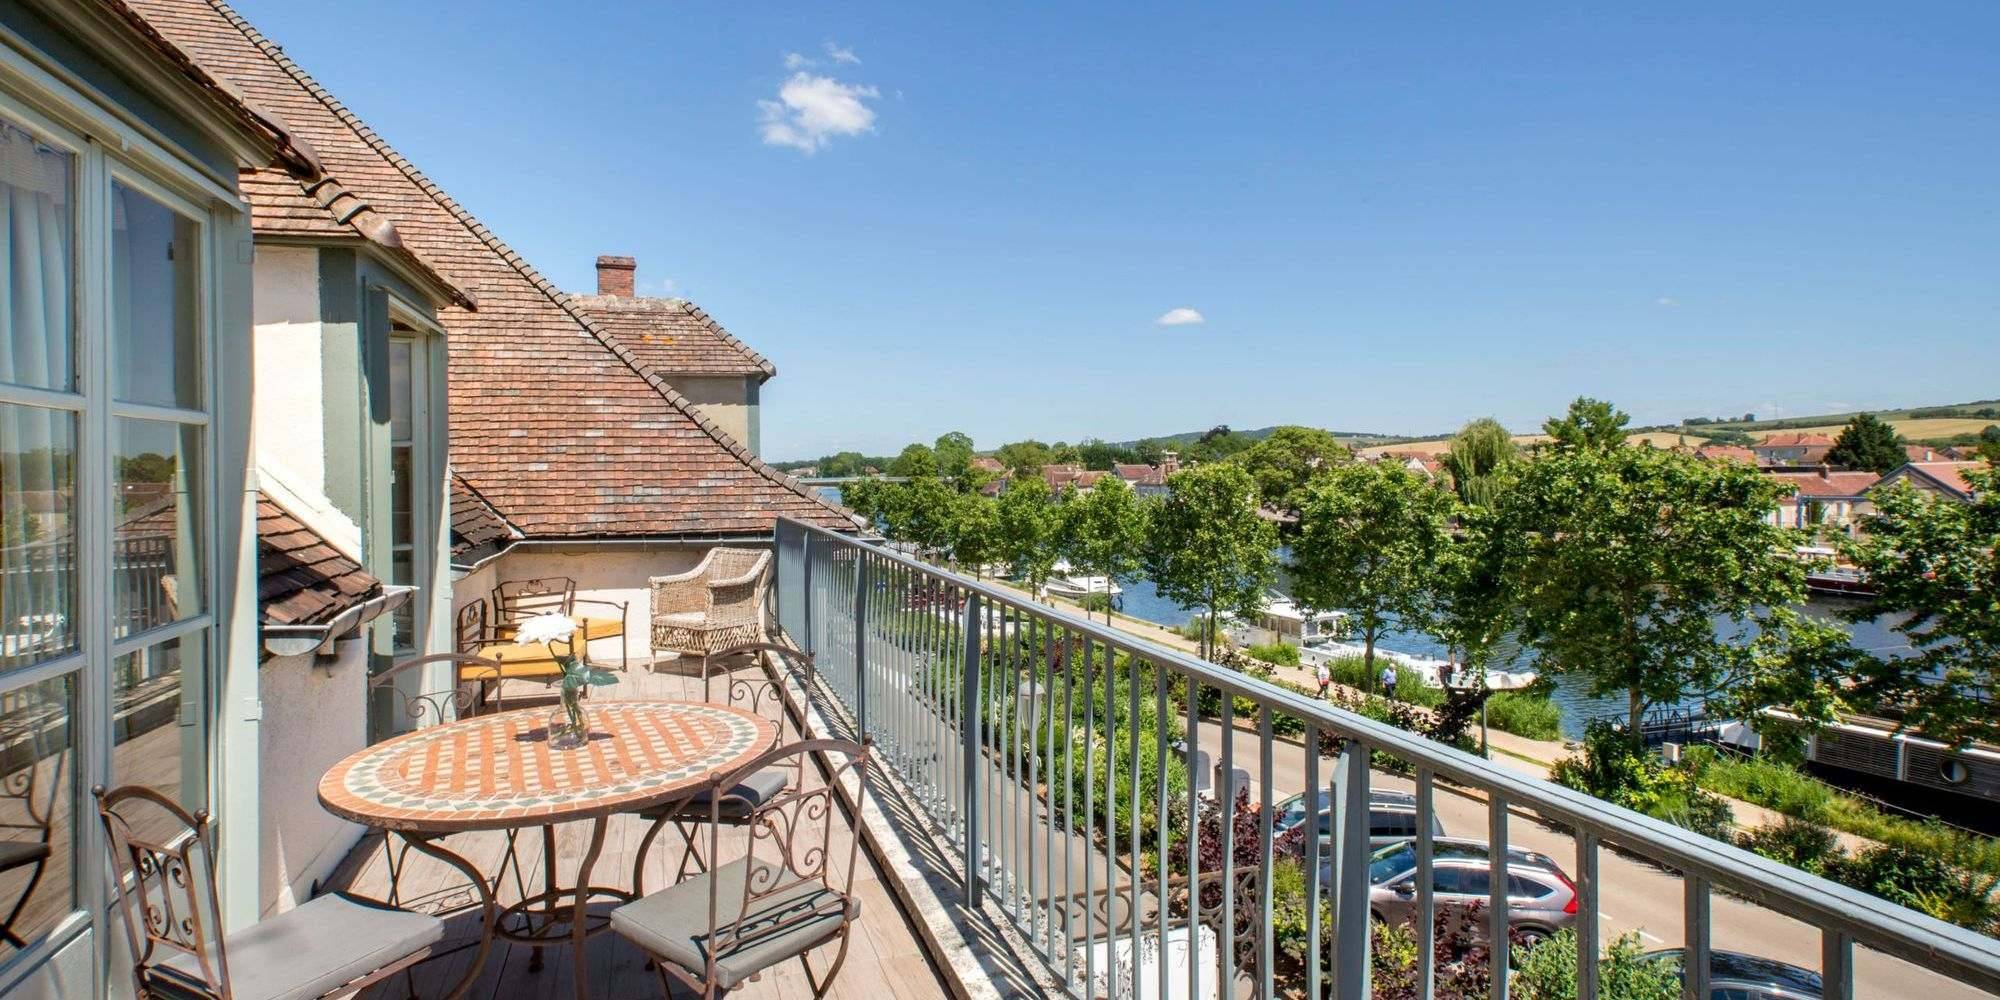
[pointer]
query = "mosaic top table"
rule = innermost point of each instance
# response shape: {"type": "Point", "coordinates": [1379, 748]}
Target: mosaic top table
{"type": "Point", "coordinates": [498, 772]}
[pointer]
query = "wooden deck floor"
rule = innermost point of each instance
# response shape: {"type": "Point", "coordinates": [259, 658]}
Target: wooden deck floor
{"type": "Point", "coordinates": [885, 961]}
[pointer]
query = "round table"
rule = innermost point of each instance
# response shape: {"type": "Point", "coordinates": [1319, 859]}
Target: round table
{"type": "Point", "coordinates": [498, 772]}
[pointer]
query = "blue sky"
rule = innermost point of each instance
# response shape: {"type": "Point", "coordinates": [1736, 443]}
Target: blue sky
{"type": "Point", "coordinates": [1390, 217]}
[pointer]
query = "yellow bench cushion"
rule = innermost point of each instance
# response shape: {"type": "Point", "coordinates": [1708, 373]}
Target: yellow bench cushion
{"type": "Point", "coordinates": [593, 628]}
{"type": "Point", "coordinates": [516, 663]}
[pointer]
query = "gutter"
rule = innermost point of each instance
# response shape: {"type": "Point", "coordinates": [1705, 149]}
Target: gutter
{"type": "Point", "coordinates": [320, 639]}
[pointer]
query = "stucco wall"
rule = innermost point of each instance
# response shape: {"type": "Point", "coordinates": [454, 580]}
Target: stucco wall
{"type": "Point", "coordinates": [730, 402]}
{"type": "Point", "coordinates": [312, 718]}
{"type": "Point", "coordinates": [616, 573]}
{"type": "Point", "coordinates": [290, 386]}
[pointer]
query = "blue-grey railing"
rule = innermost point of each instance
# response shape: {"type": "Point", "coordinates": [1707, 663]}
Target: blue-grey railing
{"type": "Point", "coordinates": [1002, 717]}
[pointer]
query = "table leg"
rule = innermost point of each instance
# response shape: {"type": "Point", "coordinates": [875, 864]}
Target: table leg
{"type": "Point", "coordinates": [580, 918]}
{"type": "Point", "coordinates": [549, 887]}
{"type": "Point", "coordinates": [490, 909]}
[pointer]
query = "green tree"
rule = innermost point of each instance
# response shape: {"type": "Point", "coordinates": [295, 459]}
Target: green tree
{"type": "Point", "coordinates": [976, 535]}
{"type": "Point", "coordinates": [923, 512]}
{"type": "Point", "coordinates": [1640, 570]}
{"type": "Point", "coordinates": [1471, 600]}
{"type": "Point", "coordinates": [1028, 530]}
{"type": "Point", "coordinates": [1934, 563]}
{"type": "Point", "coordinates": [1867, 443]}
{"type": "Point", "coordinates": [1480, 455]}
{"type": "Point", "coordinates": [1100, 455]}
{"type": "Point", "coordinates": [1024, 458]}
{"type": "Point", "coordinates": [1288, 461]}
{"type": "Point", "coordinates": [1216, 444]}
{"type": "Point", "coordinates": [1104, 531]}
{"type": "Point", "coordinates": [953, 454]}
{"type": "Point", "coordinates": [870, 498]}
{"type": "Point", "coordinates": [915, 460]}
{"type": "Point", "coordinates": [841, 464]}
{"type": "Point", "coordinates": [1207, 547]}
{"type": "Point", "coordinates": [1370, 537]}
{"type": "Point", "coordinates": [1590, 425]}
{"type": "Point", "coordinates": [1548, 971]}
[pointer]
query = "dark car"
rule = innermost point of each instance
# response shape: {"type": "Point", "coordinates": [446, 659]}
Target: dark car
{"type": "Point", "coordinates": [1392, 818]}
{"type": "Point", "coordinates": [1735, 976]}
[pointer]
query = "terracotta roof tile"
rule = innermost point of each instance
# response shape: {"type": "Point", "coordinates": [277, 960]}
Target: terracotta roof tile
{"type": "Point", "coordinates": [301, 578]}
{"type": "Point", "coordinates": [1815, 483]}
{"type": "Point", "coordinates": [474, 522]}
{"type": "Point", "coordinates": [1727, 452]}
{"type": "Point", "coordinates": [559, 425]}
{"type": "Point", "coordinates": [673, 336]}
{"type": "Point", "coordinates": [1794, 441]}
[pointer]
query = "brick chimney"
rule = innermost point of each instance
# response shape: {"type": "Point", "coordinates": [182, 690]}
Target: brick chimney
{"type": "Point", "coordinates": [614, 275]}
{"type": "Point", "coordinates": [1170, 462]}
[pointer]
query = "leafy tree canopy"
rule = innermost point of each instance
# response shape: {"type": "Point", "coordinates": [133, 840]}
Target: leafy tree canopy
{"type": "Point", "coordinates": [1590, 425]}
{"type": "Point", "coordinates": [1480, 455]}
{"type": "Point", "coordinates": [953, 453]}
{"type": "Point", "coordinates": [1370, 537]}
{"type": "Point", "coordinates": [1207, 547]}
{"type": "Point", "coordinates": [1867, 442]}
{"type": "Point", "coordinates": [1028, 529]}
{"type": "Point", "coordinates": [1024, 458]}
{"type": "Point", "coordinates": [915, 460]}
{"type": "Point", "coordinates": [1287, 461]}
{"type": "Point", "coordinates": [1104, 530]}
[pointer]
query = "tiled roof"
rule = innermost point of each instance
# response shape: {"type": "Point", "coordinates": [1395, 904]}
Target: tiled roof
{"type": "Point", "coordinates": [1727, 452]}
{"type": "Point", "coordinates": [324, 209]}
{"type": "Point", "coordinates": [1139, 474]}
{"type": "Point", "coordinates": [474, 522]}
{"type": "Point", "coordinates": [301, 578]}
{"type": "Point", "coordinates": [673, 335]}
{"type": "Point", "coordinates": [1794, 441]}
{"type": "Point", "coordinates": [557, 424]}
{"type": "Point", "coordinates": [1828, 483]}
{"type": "Point", "coordinates": [1949, 475]}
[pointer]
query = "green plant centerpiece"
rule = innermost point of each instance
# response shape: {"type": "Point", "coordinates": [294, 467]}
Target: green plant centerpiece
{"type": "Point", "coordinates": [567, 727]}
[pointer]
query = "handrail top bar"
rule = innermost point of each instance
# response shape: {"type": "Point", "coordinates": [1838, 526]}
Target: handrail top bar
{"type": "Point", "coordinates": [1958, 952]}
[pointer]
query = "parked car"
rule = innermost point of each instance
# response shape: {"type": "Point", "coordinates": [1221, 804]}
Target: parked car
{"type": "Point", "coordinates": [1541, 899]}
{"type": "Point", "coordinates": [1735, 976]}
{"type": "Point", "coordinates": [1392, 818]}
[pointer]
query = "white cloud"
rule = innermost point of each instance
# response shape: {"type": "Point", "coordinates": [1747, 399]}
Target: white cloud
{"type": "Point", "coordinates": [812, 109]}
{"type": "Point", "coordinates": [840, 55]}
{"type": "Point", "coordinates": [1667, 300]}
{"type": "Point", "coordinates": [795, 61]}
{"type": "Point", "coordinates": [1183, 316]}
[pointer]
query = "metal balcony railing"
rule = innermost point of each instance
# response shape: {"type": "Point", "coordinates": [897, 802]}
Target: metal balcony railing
{"type": "Point", "coordinates": [1061, 759]}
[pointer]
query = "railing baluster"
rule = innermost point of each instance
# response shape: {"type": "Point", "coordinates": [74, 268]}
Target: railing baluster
{"type": "Point", "coordinates": [1191, 692]}
{"type": "Point", "coordinates": [1058, 652]}
{"type": "Point", "coordinates": [1315, 889]}
{"type": "Point", "coordinates": [1266, 954]}
{"type": "Point", "coordinates": [1496, 892]}
{"type": "Point", "coordinates": [1836, 965]}
{"type": "Point", "coordinates": [969, 724]}
{"type": "Point", "coordinates": [861, 641]}
{"type": "Point", "coordinates": [1089, 825]}
{"type": "Point", "coordinates": [1695, 970]}
{"type": "Point", "coordinates": [1351, 920]}
{"type": "Point", "coordinates": [1426, 887]}
{"type": "Point", "coordinates": [1136, 865]}
{"type": "Point", "coordinates": [1586, 915]}
{"type": "Point", "coordinates": [1160, 822]}
{"type": "Point", "coordinates": [1225, 797]}
{"type": "Point", "coordinates": [1110, 818]}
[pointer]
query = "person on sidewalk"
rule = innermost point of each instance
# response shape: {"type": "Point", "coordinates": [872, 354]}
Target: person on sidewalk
{"type": "Point", "coordinates": [1325, 678]}
{"type": "Point", "coordinates": [1389, 681]}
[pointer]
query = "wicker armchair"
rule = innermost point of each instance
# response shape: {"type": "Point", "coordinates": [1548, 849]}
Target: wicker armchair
{"type": "Point", "coordinates": [718, 604]}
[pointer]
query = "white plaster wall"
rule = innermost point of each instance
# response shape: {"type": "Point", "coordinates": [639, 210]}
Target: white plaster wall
{"type": "Point", "coordinates": [312, 718]}
{"type": "Point", "coordinates": [608, 572]}
{"type": "Point", "coordinates": [726, 401]}
{"type": "Point", "coordinates": [288, 400]}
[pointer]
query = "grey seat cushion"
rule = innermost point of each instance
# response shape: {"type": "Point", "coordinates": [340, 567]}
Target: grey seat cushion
{"type": "Point", "coordinates": [737, 803]}
{"type": "Point", "coordinates": [15, 853]}
{"type": "Point", "coordinates": [673, 923]}
{"type": "Point", "coordinates": [316, 947]}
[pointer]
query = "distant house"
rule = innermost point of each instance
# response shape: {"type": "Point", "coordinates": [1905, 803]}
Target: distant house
{"type": "Point", "coordinates": [1148, 480]}
{"type": "Point", "coordinates": [1823, 497]}
{"type": "Point", "coordinates": [1421, 463]}
{"type": "Point", "coordinates": [674, 339]}
{"type": "Point", "coordinates": [1726, 453]}
{"type": "Point", "coordinates": [988, 464]}
{"type": "Point", "coordinates": [1926, 453]}
{"type": "Point", "coordinates": [1943, 478]}
{"type": "Point", "coordinates": [1792, 449]}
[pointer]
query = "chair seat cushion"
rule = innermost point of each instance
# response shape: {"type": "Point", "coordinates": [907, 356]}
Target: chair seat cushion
{"type": "Point", "coordinates": [15, 853]}
{"type": "Point", "coordinates": [601, 628]}
{"type": "Point", "coordinates": [316, 947]}
{"type": "Point", "coordinates": [516, 662]}
{"type": "Point", "coordinates": [673, 923]}
{"type": "Point", "coordinates": [682, 619]}
{"type": "Point", "coordinates": [737, 803]}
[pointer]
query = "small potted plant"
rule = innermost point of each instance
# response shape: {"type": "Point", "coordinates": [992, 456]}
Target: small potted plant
{"type": "Point", "coordinates": [567, 729]}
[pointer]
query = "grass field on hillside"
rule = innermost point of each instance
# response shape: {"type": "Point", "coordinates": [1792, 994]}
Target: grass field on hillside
{"type": "Point", "coordinates": [1914, 430]}
{"type": "Point", "coordinates": [1437, 446]}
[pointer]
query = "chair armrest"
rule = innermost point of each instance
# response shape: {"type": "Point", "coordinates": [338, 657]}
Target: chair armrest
{"type": "Point", "coordinates": [624, 607]}
{"type": "Point", "coordinates": [734, 602]}
{"type": "Point", "coordinates": [673, 594]}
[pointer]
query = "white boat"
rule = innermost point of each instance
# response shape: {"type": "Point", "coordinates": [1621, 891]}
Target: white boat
{"type": "Point", "coordinates": [1283, 620]}
{"type": "Point", "coordinates": [1426, 668]}
{"type": "Point", "coordinates": [1063, 583]}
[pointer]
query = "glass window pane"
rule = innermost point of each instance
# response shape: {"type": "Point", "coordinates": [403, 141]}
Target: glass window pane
{"type": "Point", "coordinates": [37, 810]}
{"type": "Point", "coordinates": [159, 516]}
{"type": "Point", "coordinates": [405, 617]}
{"type": "Point", "coordinates": [37, 534]}
{"type": "Point", "coordinates": [155, 258]}
{"type": "Point", "coordinates": [157, 728]}
{"type": "Point", "coordinates": [399, 389]}
{"type": "Point", "coordinates": [402, 487]}
{"type": "Point", "coordinates": [37, 237]}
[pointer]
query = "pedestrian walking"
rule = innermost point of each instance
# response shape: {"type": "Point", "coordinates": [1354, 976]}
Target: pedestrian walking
{"type": "Point", "coordinates": [1324, 676]}
{"type": "Point", "coordinates": [1389, 681]}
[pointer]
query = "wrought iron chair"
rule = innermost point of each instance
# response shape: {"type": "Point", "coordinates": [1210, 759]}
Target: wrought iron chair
{"type": "Point", "coordinates": [475, 637]}
{"type": "Point", "coordinates": [36, 798]}
{"type": "Point", "coordinates": [331, 945]}
{"type": "Point", "coordinates": [717, 604]}
{"type": "Point", "coordinates": [782, 900]}
{"type": "Point", "coordinates": [761, 692]}
{"type": "Point", "coordinates": [516, 601]}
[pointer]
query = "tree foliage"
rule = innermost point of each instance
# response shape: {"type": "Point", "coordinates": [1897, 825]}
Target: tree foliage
{"type": "Point", "coordinates": [1104, 531]}
{"type": "Point", "coordinates": [1478, 460]}
{"type": "Point", "coordinates": [1207, 547]}
{"type": "Point", "coordinates": [952, 453]}
{"type": "Point", "coordinates": [1028, 530]}
{"type": "Point", "coordinates": [1640, 569]}
{"type": "Point", "coordinates": [1590, 425]}
{"type": "Point", "coordinates": [1867, 443]}
{"type": "Point", "coordinates": [1934, 563]}
{"type": "Point", "coordinates": [1024, 458]}
{"type": "Point", "coordinates": [1285, 463]}
{"type": "Point", "coordinates": [1370, 537]}
{"type": "Point", "coordinates": [915, 460]}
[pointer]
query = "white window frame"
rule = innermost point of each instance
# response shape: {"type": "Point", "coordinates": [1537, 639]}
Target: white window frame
{"type": "Point", "coordinates": [107, 151]}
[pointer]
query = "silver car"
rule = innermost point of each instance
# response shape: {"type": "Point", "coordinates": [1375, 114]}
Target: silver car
{"type": "Point", "coordinates": [1541, 900]}
{"type": "Point", "coordinates": [1736, 976]}
{"type": "Point", "coordinates": [1392, 818]}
